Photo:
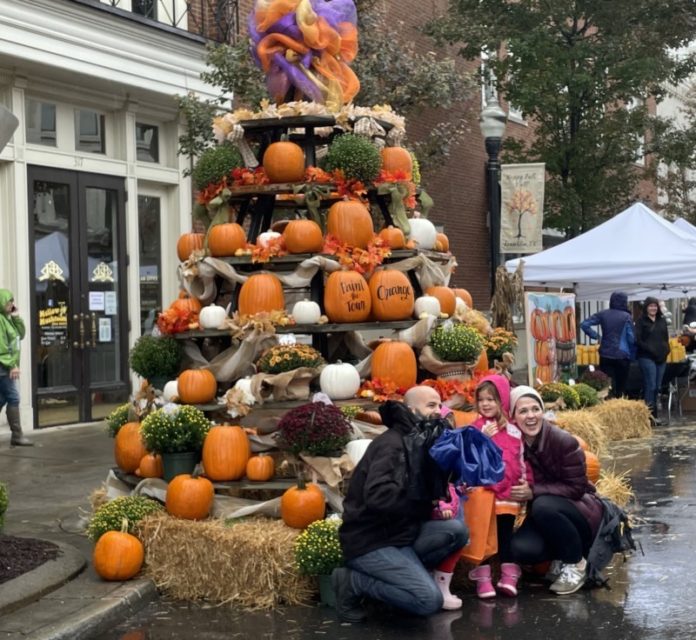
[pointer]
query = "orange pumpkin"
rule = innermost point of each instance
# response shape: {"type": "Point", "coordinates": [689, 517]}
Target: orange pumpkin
{"type": "Point", "coordinates": [118, 556]}
{"type": "Point", "coordinates": [392, 295]}
{"type": "Point", "coordinates": [539, 325]}
{"type": "Point", "coordinates": [150, 466]}
{"type": "Point", "coordinates": [464, 295]}
{"type": "Point", "coordinates": [301, 505]}
{"type": "Point", "coordinates": [581, 442]}
{"type": "Point", "coordinates": [397, 159]}
{"type": "Point", "coordinates": [481, 365]}
{"type": "Point", "coordinates": [395, 361]}
{"type": "Point", "coordinates": [196, 386]}
{"type": "Point", "coordinates": [284, 162]}
{"type": "Point", "coordinates": [464, 418]}
{"type": "Point", "coordinates": [226, 451]}
{"type": "Point", "coordinates": [347, 297]}
{"type": "Point", "coordinates": [393, 237]}
{"type": "Point", "coordinates": [260, 468]}
{"type": "Point", "coordinates": [188, 243]}
{"type": "Point", "coordinates": [542, 352]}
{"type": "Point", "coordinates": [261, 292]}
{"type": "Point", "coordinates": [189, 497]}
{"type": "Point", "coordinates": [128, 447]}
{"type": "Point", "coordinates": [303, 236]}
{"type": "Point", "coordinates": [441, 243]}
{"type": "Point", "coordinates": [187, 304]}
{"type": "Point", "coordinates": [593, 466]}
{"type": "Point", "coordinates": [448, 301]}
{"type": "Point", "coordinates": [224, 239]}
{"type": "Point", "coordinates": [351, 223]}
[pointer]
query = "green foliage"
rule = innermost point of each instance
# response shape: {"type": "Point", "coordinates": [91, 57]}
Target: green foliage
{"type": "Point", "coordinates": [350, 410]}
{"type": "Point", "coordinates": [110, 516]}
{"type": "Point", "coordinates": [155, 356]}
{"type": "Point", "coordinates": [214, 164]}
{"type": "Point", "coordinates": [596, 379]}
{"type": "Point", "coordinates": [4, 502]}
{"type": "Point", "coordinates": [552, 391]}
{"type": "Point", "coordinates": [356, 156]}
{"type": "Point", "coordinates": [117, 418]}
{"type": "Point", "coordinates": [456, 343]}
{"type": "Point", "coordinates": [588, 396]}
{"type": "Point", "coordinates": [198, 116]}
{"type": "Point", "coordinates": [281, 358]}
{"type": "Point", "coordinates": [174, 429]}
{"type": "Point", "coordinates": [318, 548]}
{"type": "Point", "coordinates": [573, 68]}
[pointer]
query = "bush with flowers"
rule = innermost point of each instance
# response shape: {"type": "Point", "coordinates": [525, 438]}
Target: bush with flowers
{"type": "Point", "coordinates": [110, 516]}
{"type": "Point", "coordinates": [286, 357]}
{"type": "Point", "coordinates": [117, 418]}
{"type": "Point", "coordinates": [500, 341]}
{"type": "Point", "coordinates": [318, 549]}
{"type": "Point", "coordinates": [597, 379]}
{"type": "Point", "coordinates": [174, 429]}
{"type": "Point", "coordinates": [456, 342]}
{"type": "Point", "coordinates": [315, 428]}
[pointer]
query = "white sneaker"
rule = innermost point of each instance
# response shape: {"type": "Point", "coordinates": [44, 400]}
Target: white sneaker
{"type": "Point", "coordinates": [572, 579]}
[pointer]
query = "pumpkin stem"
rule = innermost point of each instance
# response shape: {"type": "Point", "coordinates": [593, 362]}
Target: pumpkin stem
{"type": "Point", "coordinates": [124, 525]}
{"type": "Point", "coordinates": [301, 482]}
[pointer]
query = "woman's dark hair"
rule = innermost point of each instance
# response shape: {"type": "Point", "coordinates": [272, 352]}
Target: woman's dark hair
{"type": "Point", "coordinates": [648, 301]}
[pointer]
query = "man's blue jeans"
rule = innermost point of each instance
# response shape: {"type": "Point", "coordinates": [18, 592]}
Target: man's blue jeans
{"type": "Point", "coordinates": [8, 392]}
{"type": "Point", "coordinates": [652, 379]}
{"type": "Point", "coordinates": [399, 575]}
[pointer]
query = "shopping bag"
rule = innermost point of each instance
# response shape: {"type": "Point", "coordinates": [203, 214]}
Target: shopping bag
{"type": "Point", "coordinates": [479, 516]}
{"type": "Point", "coordinates": [469, 456]}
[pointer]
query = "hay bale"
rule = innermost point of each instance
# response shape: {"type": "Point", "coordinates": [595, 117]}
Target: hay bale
{"type": "Point", "coordinates": [623, 419]}
{"type": "Point", "coordinates": [616, 487]}
{"type": "Point", "coordinates": [586, 425]}
{"type": "Point", "coordinates": [250, 563]}
{"type": "Point", "coordinates": [97, 498]}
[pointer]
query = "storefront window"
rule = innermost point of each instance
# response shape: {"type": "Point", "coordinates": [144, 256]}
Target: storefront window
{"type": "Point", "coordinates": [41, 122]}
{"type": "Point", "coordinates": [147, 142]}
{"type": "Point", "coordinates": [149, 225]}
{"type": "Point", "coordinates": [89, 131]}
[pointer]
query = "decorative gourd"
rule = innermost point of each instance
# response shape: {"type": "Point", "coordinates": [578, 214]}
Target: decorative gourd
{"type": "Point", "coordinates": [351, 223]}
{"type": "Point", "coordinates": [463, 294]}
{"type": "Point", "coordinates": [129, 447]}
{"type": "Point", "coordinates": [196, 386]}
{"type": "Point", "coordinates": [260, 468]}
{"type": "Point", "coordinates": [284, 162]}
{"type": "Point", "coordinates": [303, 504]}
{"type": "Point", "coordinates": [224, 239]}
{"type": "Point", "coordinates": [262, 292]}
{"type": "Point", "coordinates": [303, 236]}
{"type": "Point", "coordinates": [427, 304]}
{"type": "Point", "coordinates": [395, 361]}
{"type": "Point", "coordinates": [263, 239]}
{"type": "Point", "coordinates": [593, 466]}
{"type": "Point", "coordinates": [392, 295]}
{"type": "Point", "coordinates": [306, 312]}
{"type": "Point", "coordinates": [188, 243]}
{"type": "Point", "coordinates": [423, 233]}
{"type": "Point", "coordinates": [171, 391]}
{"type": "Point", "coordinates": [212, 316]}
{"type": "Point", "coordinates": [347, 297]}
{"type": "Point", "coordinates": [150, 466]}
{"type": "Point", "coordinates": [441, 243]}
{"type": "Point", "coordinates": [394, 237]}
{"type": "Point", "coordinates": [226, 452]}
{"type": "Point", "coordinates": [448, 301]}
{"type": "Point", "coordinates": [339, 381]}
{"type": "Point", "coordinates": [189, 497]}
{"type": "Point", "coordinates": [118, 556]}
{"type": "Point", "coordinates": [186, 304]}
{"type": "Point", "coordinates": [397, 159]}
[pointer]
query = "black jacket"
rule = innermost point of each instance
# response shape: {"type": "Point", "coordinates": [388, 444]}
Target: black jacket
{"type": "Point", "coordinates": [393, 487]}
{"type": "Point", "coordinates": [652, 338]}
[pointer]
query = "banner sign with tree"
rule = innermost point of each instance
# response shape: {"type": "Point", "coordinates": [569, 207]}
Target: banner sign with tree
{"type": "Point", "coordinates": [522, 207]}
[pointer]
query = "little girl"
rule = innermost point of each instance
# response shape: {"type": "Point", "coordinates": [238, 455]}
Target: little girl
{"type": "Point", "coordinates": [493, 405]}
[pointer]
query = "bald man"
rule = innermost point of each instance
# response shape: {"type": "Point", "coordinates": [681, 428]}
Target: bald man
{"type": "Point", "coordinates": [389, 542]}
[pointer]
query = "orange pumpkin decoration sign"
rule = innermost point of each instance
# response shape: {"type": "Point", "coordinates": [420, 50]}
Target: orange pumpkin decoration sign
{"type": "Point", "coordinates": [542, 352]}
{"type": "Point", "coordinates": [260, 468]}
{"type": "Point", "coordinates": [303, 504]}
{"type": "Point", "coordinates": [196, 386]}
{"type": "Point", "coordinates": [394, 237]}
{"type": "Point", "coordinates": [397, 159]}
{"type": "Point", "coordinates": [544, 372]}
{"type": "Point", "coordinates": [392, 295]}
{"type": "Point", "coordinates": [118, 556]}
{"type": "Point", "coordinates": [189, 497]}
{"type": "Point", "coordinates": [395, 361]}
{"type": "Point", "coordinates": [224, 239]}
{"type": "Point", "coordinates": [448, 301]}
{"type": "Point", "coordinates": [539, 325]}
{"type": "Point", "coordinates": [284, 162]}
{"type": "Point", "coordinates": [226, 451]}
{"type": "Point", "coordinates": [569, 324]}
{"type": "Point", "coordinates": [187, 244]}
{"type": "Point", "coordinates": [303, 236]}
{"type": "Point", "coordinates": [347, 297]}
{"type": "Point", "coordinates": [262, 292]}
{"type": "Point", "coordinates": [150, 466]}
{"type": "Point", "coordinates": [464, 295]}
{"type": "Point", "coordinates": [129, 448]}
{"type": "Point", "coordinates": [351, 223]}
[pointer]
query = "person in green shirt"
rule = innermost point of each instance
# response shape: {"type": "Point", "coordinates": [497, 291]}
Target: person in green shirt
{"type": "Point", "coordinates": [12, 331]}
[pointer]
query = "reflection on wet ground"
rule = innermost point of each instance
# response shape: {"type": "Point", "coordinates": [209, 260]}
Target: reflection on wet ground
{"type": "Point", "coordinates": [651, 595]}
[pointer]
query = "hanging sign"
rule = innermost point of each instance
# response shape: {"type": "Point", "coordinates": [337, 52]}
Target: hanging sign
{"type": "Point", "coordinates": [521, 207]}
{"type": "Point", "coordinates": [53, 323]}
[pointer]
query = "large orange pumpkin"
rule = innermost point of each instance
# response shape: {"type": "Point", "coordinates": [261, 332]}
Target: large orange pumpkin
{"type": "Point", "coordinates": [392, 295]}
{"type": "Point", "coordinates": [397, 159]}
{"type": "Point", "coordinates": [196, 386]}
{"type": "Point", "coordinates": [188, 243]}
{"type": "Point", "coordinates": [351, 223]}
{"type": "Point", "coordinates": [187, 304]}
{"type": "Point", "coordinates": [128, 447]}
{"type": "Point", "coordinates": [593, 466]}
{"type": "Point", "coordinates": [150, 466]}
{"type": "Point", "coordinates": [226, 451]}
{"type": "Point", "coordinates": [464, 295]}
{"type": "Point", "coordinates": [261, 292]}
{"type": "Point", "coordinates": [301, 505]}
{"type": "Point", "coordinates": [448, 301]}
{"type": "Point", "coordinates": [224, 239]}
{"type": "Point", "coordinates": [347, 297]}
{"type": "Point", "coordinates": [395, 361]}
{"type": "Point", "coordinates": [118, 555]}
{"type": "Point", "coordinates": [303, 236]}
{"type": "Point", "coordinates": [260, 468]}
{"type": "Point", "coordinates": [189, 497]}
{"type": "Point", "coordinates": [284, 162]}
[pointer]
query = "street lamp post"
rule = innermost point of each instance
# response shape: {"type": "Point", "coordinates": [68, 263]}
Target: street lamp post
{"type": "Point", "coordinates": [492, 122]}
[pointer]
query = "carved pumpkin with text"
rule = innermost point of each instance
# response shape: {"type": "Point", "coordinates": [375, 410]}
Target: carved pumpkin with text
{"type": "Point", "coordinates": [392, 295]}
{"type": "Point", "coordinates": [347, 297]}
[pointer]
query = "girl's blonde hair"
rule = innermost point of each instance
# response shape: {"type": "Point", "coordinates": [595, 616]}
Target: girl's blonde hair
{"type": "Point", "coordinates": [493, 390]}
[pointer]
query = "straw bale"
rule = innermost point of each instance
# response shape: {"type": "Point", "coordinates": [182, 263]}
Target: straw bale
{"type": "Point", "coordinates": [97, 498]}
{"type": "Point", "coordinates": [250, 563]}
{"type": "Point", "coordinates": [623, 419]}
{"type": "Point", "coordinates": [586, 425]}
{"type": "Point", "coordinates": [616, 487]}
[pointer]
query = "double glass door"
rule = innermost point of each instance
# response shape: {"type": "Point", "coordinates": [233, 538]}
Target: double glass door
{"type": "Point", "coordinates": [79, 311]}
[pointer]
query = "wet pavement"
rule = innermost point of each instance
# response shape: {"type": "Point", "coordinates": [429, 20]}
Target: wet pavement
{"type": "Point", "coordinates": [650, 599]}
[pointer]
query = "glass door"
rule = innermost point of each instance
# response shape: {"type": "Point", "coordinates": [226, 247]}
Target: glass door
{"type": "Point", "coordinates": [80, 334]}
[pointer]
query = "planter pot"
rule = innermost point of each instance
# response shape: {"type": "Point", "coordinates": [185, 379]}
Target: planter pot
{"type": "Point", "coordinates": [327, 595]}
{"type": "Point", "coordinates": [174, 464]}
{"type": "Point", "coordinates": [158, 382]}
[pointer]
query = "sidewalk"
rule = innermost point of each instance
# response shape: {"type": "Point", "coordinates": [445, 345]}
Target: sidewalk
{"type": "Point", "coordinates": [49, 486]}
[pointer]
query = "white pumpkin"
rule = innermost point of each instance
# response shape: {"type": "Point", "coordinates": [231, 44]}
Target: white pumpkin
{"type": "Point", "coordinates": [306, 312]}
{"type": "Point", "coordinates": [429, 305]}
{"type": "Point", "coordinates": [263, 239]}
{"type": "Point", "coordinates": [423, 233]}
{"type": "Point", "coordinates": [339, 381]}
{"type": "Point", "coordinates": [212, 316]}
{"type": "Point", "coordinates": [460, 306]}
{"type": "Point", "coordinates": [170, 393]}
{"type": "Point", "coordinates": [356, 449]}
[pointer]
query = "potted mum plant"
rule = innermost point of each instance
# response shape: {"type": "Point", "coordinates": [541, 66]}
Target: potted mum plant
{"type": "Point", "coordinates": [314, 429]}
{"type": "Point", "coordinates": [318, 552]}
{"type": "Point", "coordinates": [156, 358]}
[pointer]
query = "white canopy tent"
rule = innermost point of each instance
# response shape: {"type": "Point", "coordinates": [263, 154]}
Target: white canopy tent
{"type": "Point", "coordinates": [636, 251]}
{"type": "Point", "coordinates": [684, 225]}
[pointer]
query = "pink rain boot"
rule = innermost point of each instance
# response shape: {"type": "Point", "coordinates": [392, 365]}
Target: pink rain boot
{"type": "Point", "coordinates": [509, 574]}
{"type": "Point", "coordinates": [442, 580]}
{"type": "Point", "coordinates": [482, 576]}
